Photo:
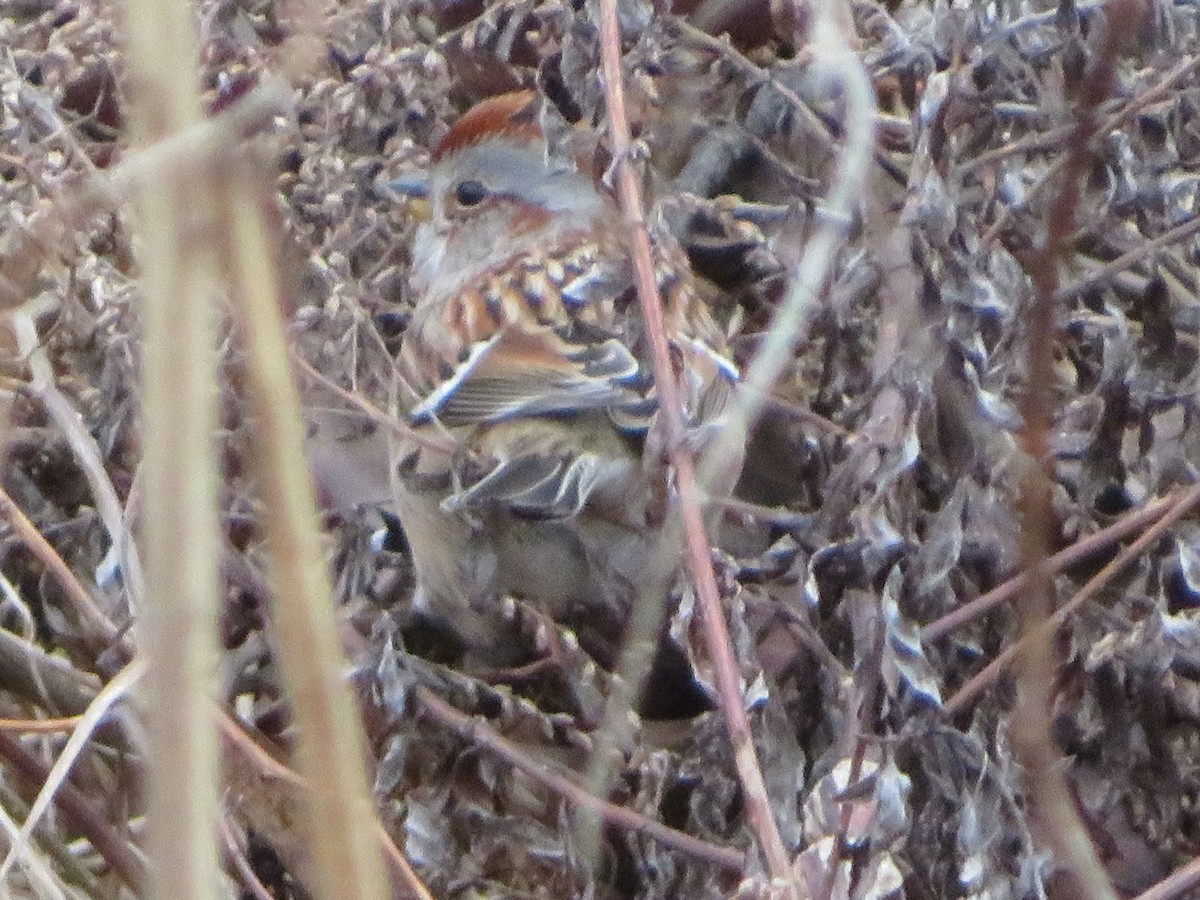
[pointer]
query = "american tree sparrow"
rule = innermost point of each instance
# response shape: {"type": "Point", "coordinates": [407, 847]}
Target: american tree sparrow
{"type": "Point", "coordinates": [526, 348]}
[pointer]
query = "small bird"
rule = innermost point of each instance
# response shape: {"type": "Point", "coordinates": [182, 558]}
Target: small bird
{"type": "Point", "coordinates": [527, 354]}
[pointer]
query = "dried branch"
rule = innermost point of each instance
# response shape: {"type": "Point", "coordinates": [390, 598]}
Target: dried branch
{"type": "Point", "coordinates": [267, 776]}
{"type": "Point", "coordinates": [80, 811]}
{"type": "Point", "coordinates": [32, 674]}
{"type": "Point", "coordinates": [444, 443]}
{"type": "Point", "coordinates": [49, 230]}
{"type": "Point", "coordinates": [241, 864]}
{"type": "Point", "coordinates": [1113, 122]}
{"type": "Point", "coordinates": [480, 734]}
{"type": "Point", "coordinates": [833, 58]}
{"type": "Point", "coordinates": [55, 780]}
{"type": "Point", "coordinates": [699, 562]}
{"type": "Point", "coordinates": [815, 125]}
{"type": "Point", "coordinates": [1063, 559]}
{"type": "Point", "coordinates": [40, 726]}
{"type": "Point", "coordinates": [87, 454]}
{"type": "Point", "coordinates": [1180, 506]}
{"type": "Point", "coordinates": [340, 814]}
{"type": "Point", "coordinates": [1177, 884]}
{"type": "Point", "coordinates": [1048, 792]}
{"type": "Point", "coordinates": [89, 611]}
{"type": "Point", "coordinates": [177, 620]}
{"type": "Point", "coordinates": [1180, 232]}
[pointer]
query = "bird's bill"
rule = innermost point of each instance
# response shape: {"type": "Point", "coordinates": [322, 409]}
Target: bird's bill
{"type": "Point", "coordinates": [415, 190]}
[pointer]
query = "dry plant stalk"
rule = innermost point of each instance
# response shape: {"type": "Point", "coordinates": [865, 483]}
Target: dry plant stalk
{"type": "Point", "coordinates": [37, 677]}
{"type": "Point", "coordinates": [341, 816]}
{"type": "Point", "coordinates": [481, 735]}
{"type": "Point", "coordinates": [41, 726]}
{"type": "Point", "coordinates": [265, 792]}
{"type": "Point", "coordinates": [1177, 507]}
{"type": "Point", "coordinates": [765, 369]}
{"type": "Point", "coordinates": [829, 47]}
{"type": "Point", "coordinates": [54, 788]}
{"type": "Point", "coordinates": [1037, 667]}
{"type": "Point", "coordinates": [1134, 521]}
{"type": "Point", "coordinates": [65, 415]}
{"type": "Point", "coordinates": [697, 547]}
{"type": "Point", "coordinates": [1177, 884]}
{"type": "Point", "coordinates": [177, 623]}
{"type": "Point", "coordinates": [84, 603]}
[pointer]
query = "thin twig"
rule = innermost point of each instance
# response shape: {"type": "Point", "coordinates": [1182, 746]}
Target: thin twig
{"type": "Point", "coordinates": [81, 811]}
{"type": "Point", "coordinates": [804, 414]}
{"type": "Point", "coordinates": [479, 734]}
{"type": "Point", "coordinates": [1113, 122]}
{"type": "Point", "coordinates": [1180, 232]}
{"type": "Point", "coordinates": [87, 453]}
{"type": "Point", "coordinates": [770, 514]}
{"type": "Point", "coordinates": [40, 726]}
{"type": "Point", "coordinates": [29, 672]}
{"type": "Point", "coordinates": [1039, 140]}
{"type": "Point", "coordinates": [756, 74]}
{"type": "Point", "coordinates": [41, 879]}
{"type": "Point", "coordinates": [1050, 796]}
{"type": "Point", "coordinates": [1035, 20]}
{"type": "Point", "coordinates": [238, 743]}
{"type": "Point", "coordinates": [897, 331]}
{"type": "Point", "coordinates": [442, 442]}
{"type": "Point", "coordinates": [56, 779]}
{"type": "Point", "coordinates": [859, 734]}
{"type": "Point", "coordinates": [833, 57]}
{"type": "Point", "coordinates": [94, 618]}
{"type": "Point", "coordinates": [1177, 884]}
{"type": "Point", "coordinates": [234, 852]}
{"type": "Point", "coordinates": [699, 562]}
{"type": "Point", "coordinates": [1063, 559]}
{"type": "Point", "coordinates": [53, 225]}
{"type": "Point", "coordinates": [1180, 507]}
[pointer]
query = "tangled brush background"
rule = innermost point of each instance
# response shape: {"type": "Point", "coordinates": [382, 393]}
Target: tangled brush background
{"type": "Point", "coordinates": [883, 485]}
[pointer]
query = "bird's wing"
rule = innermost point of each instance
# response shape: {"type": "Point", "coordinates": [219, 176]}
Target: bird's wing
{"type": "Point", "coordinates": [535, 485]}
{"type": "Point", "coordinates": [575, 373]}
{"type": "Point", "coordinates": [522, 372]}
{"type": "Point", "coordinates": [545, 400]}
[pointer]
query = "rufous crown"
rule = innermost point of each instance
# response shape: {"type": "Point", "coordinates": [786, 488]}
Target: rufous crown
{"type": "Point", "coordinates": [512, 116]}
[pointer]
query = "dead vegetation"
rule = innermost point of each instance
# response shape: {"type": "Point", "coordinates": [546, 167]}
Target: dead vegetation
{"type": "Point", "coordinates": [999, 374]}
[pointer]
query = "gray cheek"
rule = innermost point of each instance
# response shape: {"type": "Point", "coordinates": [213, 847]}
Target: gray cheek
{"type": "Point", "coordinates": [428, 250]}
{"type": "Point", "coordinates": [480, 240]}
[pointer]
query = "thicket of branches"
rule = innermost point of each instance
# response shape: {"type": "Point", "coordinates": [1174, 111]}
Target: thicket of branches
{"type": "Point", "coordinates": [959, 576]}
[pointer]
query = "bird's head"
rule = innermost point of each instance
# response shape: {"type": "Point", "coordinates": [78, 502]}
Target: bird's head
{"type": "Point", "coordinates": [494, 192]}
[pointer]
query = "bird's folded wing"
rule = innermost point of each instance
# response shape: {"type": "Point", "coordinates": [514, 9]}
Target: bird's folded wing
{"type": "Point", "coordinates": [542, 376]}
{"type": "Point", "coordinates": [542, 371]}
{"type": "Point", "coordinates": [581, 393]}
{"type": "Point", "coordinates": [535, 486]}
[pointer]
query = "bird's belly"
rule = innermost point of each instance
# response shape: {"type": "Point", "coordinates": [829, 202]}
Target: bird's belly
{"type": "Point", "coordinates": [566, 566]}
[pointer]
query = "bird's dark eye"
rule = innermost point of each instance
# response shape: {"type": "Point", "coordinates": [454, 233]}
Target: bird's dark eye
{"type": "Point", "coordinates": [469, 192]}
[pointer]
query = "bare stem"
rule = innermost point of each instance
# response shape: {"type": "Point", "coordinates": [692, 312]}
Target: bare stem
{"type": "Point", "coordinates": [698, 558]}
{"type": "Point", "coordinates": [266, 790]}
{"type": "Point", "coordinates": [1077, 552]}
{"type": "Point", "coordinates": [1177, 884]}
{"type": "Point", "coordinates": [1049, 794]}
{"type": "Point", "coordinates": [177, 621]}
{"type": "Point", "coordinates": [480, 734]}
{"type": "Point", "coordinates": [1180, 506]}
{"type": "Point", "coordinates": [332, 752]}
